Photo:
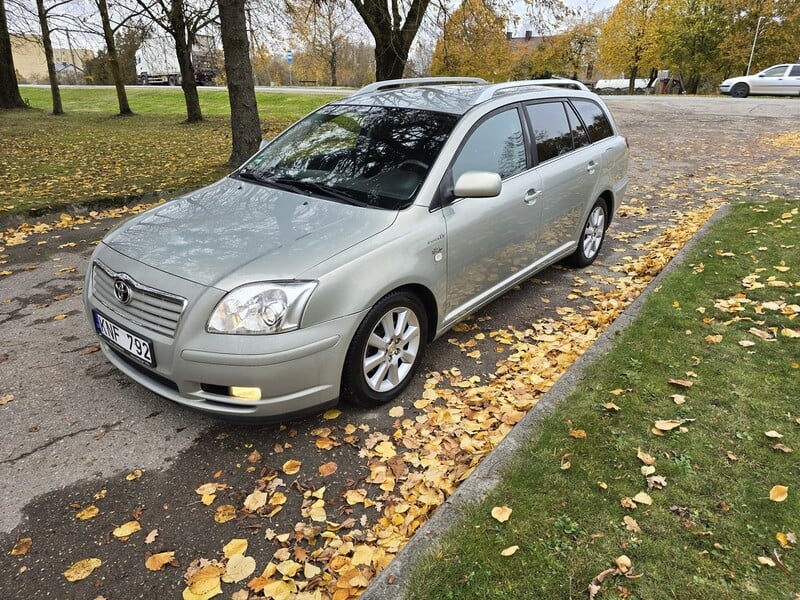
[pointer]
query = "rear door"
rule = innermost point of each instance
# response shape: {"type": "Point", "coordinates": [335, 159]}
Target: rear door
{"type": "Point", "coordinates": [791, 83]}
{"type": "Point", "coordinates": [568, 165]}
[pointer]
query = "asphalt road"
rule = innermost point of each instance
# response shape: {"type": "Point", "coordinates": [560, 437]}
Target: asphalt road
{"type": "Point", "coordinates": [76, 426]}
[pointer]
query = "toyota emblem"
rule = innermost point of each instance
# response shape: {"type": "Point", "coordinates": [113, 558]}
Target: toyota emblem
{"type": "Point", "coordinates": [122, 291]}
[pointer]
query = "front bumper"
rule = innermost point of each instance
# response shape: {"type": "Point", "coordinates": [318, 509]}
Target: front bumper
{"type": "Point", "coordinates": [297, 372]}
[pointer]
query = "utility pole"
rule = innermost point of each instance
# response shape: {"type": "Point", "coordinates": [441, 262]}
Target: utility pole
{"type": "Point", "coordinates": [753, 49]}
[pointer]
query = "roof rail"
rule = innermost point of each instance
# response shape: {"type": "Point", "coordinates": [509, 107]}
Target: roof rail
{"type": "Point", "coordinates": [491, 91]}
{"type": "Point", "coordinates": [390, 84]}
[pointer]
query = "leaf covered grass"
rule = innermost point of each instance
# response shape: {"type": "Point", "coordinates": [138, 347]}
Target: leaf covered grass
{"type": "Point", "coordinates": [727, 323]}
{"type": "Point", "coordinates": [89, 155]}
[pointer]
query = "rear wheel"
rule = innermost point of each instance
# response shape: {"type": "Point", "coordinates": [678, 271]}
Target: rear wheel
{"type": "Point", "coordinates": [172, 80]}
{"type": "Point", "coordinates": [386, 350]}
{"type": "Point", "coordinates": [740, 90]}
{"type": "Point", "coordinates": [592, 236]}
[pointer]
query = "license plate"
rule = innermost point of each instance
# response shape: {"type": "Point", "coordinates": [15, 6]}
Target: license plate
{"type": "Point", "coordinates": [138, 347]}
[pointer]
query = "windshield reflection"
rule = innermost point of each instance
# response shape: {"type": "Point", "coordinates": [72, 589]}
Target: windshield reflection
{"type": "Point", "coordinates": [367, 156]}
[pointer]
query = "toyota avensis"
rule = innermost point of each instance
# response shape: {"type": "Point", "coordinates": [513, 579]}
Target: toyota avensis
{"type": "Point", "coordinates": [324, 265]}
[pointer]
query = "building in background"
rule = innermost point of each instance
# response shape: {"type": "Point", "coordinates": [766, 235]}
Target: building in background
{"type": "Point", "coordinates": [31, 66]}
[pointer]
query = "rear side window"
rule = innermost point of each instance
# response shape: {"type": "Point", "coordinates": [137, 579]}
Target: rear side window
{"type": "Point", "coordinates": [579, 136]}
{"type": "Point", "coordinates": [595, 119]}
{"type": "Point", "coordinates": [551, 129]}
{"type": "Point", "coordinates": [795, 72]}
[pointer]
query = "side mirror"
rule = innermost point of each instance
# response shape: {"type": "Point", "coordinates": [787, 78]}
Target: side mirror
{"type": "Point", "coordinates": [478, 184]}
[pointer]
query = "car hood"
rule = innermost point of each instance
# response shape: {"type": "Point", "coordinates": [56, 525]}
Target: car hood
{"type": "Point", "coordinates": [235, 231]}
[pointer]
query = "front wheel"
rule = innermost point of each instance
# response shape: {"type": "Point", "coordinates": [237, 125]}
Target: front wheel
{"type": "Point", "coordinates": [386, 350]}
{"type": "Point", "coordinates": [740, 90]}
{"type": "Point", "coordinates": [592, 236]}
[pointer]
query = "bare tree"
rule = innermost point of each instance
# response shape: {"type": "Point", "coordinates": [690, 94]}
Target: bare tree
{"type": "Point", "coordinates": [43, 12]}
{"type": "Point", "coordinates": [113, 57]}
{"type": "Point", "coordinates": [393, 31]}
{"type": "Point", "coordinates": [9, 87]}
{"type": "Point", "coordinates": [183, 20]}
{"type": "Point", "coordinates": [245, 127]}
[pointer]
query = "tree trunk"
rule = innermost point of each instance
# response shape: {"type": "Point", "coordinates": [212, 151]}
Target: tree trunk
{"type": "Point", "coordinates": [113, 58]}
{"type": "Point", "coordinates": [58, 108]}
{"type": "Point", "coordinates": [392, 42]}
{"type": "Point", "coordinates": [9, 87]}
{"type": "Point", "coordinates": [183, 51]}
{"type": "Point", "coordinates": [632, 82]}
{"type": "Point", "coordinates": [245, 125]}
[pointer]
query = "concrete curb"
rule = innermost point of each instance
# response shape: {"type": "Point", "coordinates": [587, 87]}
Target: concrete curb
{"type": "Point", "coordinates": [393, 582]}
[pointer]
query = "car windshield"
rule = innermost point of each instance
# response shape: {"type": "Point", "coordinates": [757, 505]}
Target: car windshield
{"type": "Point", "coordinates": [369, 156]}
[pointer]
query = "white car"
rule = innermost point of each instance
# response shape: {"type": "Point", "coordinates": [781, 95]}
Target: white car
{"type": "Point", "coordinates": [780, 80]}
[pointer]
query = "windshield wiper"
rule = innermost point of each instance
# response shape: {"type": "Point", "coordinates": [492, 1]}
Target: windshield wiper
{"type": "Point", "coordinates": [299, 186]}
{"type": "Point", "coordinates": [287, 185]}
{"type": "Point", "coordinates": [330, 192]}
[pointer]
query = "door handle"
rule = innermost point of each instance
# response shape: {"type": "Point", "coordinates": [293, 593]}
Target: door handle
{"type": "Point", "coordinates": [531, 196]}
{"type": "Point", "coordinates": [591, 167]}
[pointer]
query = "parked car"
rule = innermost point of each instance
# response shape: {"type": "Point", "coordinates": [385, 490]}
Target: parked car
{"type": "Point", "coordinates": [780, 80]}
{"type": "Point", "coordinates": [324, 265]}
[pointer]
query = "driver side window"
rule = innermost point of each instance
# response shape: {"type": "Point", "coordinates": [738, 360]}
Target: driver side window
{"type": "Point", "coordinates": [496, 145]}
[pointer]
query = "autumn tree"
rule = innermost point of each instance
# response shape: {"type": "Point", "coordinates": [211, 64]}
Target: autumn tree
{"type": "Point", "coordinates": [245, 127]}
{"type": "Point", "coordinates": [473, 43]}
{"type": "Point", "coordinates": [9, 87]}
{"type": "Point", "coordinates": [778, 35]}
{"type": "Point", "coordinates": [691, 31]}
{"type": "Point", "coordinates": [325, 29]}
{"type": "Point", "coordinates": [628, 40]}
{"type": "Point", "coordinates": [572, 53]}
{"type": "Point", "coordinates": [183, 20]}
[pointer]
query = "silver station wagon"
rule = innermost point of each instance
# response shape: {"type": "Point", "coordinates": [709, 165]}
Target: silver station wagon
{"type": "Point", "coordinates": [324, 265]}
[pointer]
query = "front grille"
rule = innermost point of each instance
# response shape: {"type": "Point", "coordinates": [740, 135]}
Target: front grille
{"type": "Point", "coordinates": [153, 309]}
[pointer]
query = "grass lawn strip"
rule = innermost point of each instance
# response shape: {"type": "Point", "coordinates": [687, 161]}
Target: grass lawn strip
{"type": "Point", "coordinates": [663, 475]}
{"type": "Point", "coordinates": [90, 156]}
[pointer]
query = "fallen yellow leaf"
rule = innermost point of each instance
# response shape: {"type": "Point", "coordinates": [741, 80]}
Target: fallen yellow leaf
{"type": "Point", "coordinates": [239, 567]}
{"type": "Point", "coordinates": [156, 562]}
{"type": "Point", "coordinates": [90, 512]}
{"type": "Point", "coordinates": [623, 563]}
{"type": "Point", "coordinates": [225, 513]}
{"type": "Point", "coordinates": [290, 467]}
{"type": "Point", "coordinates": [779, 493]}
{"type": "Point", "coordinates": [234, 547]}
{"type": "Point", "coordinates": [501, 513]}
{"type": "Point", "coordinates": [510, 551]}
{"type": "Point", "coordinates": [82, 569]}
{"type": "Point", "coordinates": [22, 547]}
{"type": "Point", "coordinates": [126, 530]}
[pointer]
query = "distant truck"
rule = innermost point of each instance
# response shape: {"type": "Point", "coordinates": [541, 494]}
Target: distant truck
{"type": "Point", "coordinates": [156, 61]}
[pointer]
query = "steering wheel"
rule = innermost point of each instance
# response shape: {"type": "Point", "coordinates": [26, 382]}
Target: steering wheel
{"type": "Point", "coordinates": [415, 165]}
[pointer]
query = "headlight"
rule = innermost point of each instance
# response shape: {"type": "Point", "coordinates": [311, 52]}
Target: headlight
{"type": "Point", "coordinates": [259, 308]}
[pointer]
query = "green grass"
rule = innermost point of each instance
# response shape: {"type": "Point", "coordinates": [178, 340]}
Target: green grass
{"type": "Point", "coordinates": [703, 534]}
{"type": "Point", "coordinates": [90, 155]}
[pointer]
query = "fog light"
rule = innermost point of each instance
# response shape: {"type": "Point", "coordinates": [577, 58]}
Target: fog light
{"type": "Point", "coordinates": [246, 393]}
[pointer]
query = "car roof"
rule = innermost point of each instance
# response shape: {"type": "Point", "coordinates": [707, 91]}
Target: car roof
{"type": "Point", "coordinates": [447, 94]}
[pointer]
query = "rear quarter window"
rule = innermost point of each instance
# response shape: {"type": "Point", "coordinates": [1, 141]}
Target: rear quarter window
{"type": "Point", "coordinates": [595, 119]}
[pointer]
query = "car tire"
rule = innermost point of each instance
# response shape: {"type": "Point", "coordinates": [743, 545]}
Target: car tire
{"type": "Point", "coordinates": [592, 236]}
{"type": "Point", "coordinates": [386, 350]}
{"type": "Point", "coordinates": [740, 90]}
